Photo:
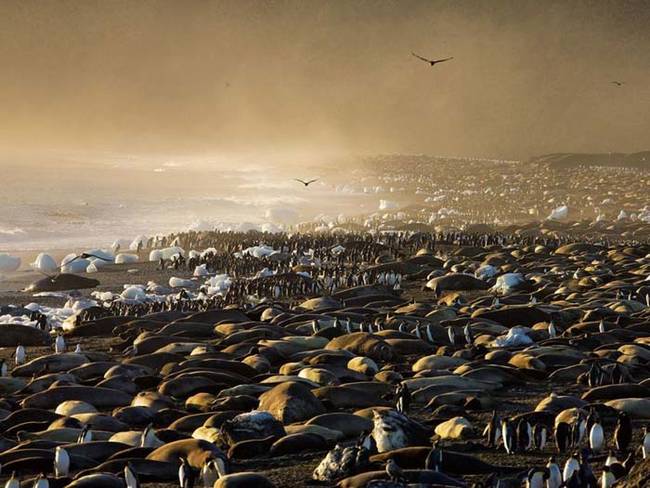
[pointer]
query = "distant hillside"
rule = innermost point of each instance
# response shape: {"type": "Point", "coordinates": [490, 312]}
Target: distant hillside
{"type": "Point", "coordinates": [569, 160]}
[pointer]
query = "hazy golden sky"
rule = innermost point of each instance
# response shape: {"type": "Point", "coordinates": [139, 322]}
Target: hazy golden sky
{"type": "Point", "coordinates": [337, 76]}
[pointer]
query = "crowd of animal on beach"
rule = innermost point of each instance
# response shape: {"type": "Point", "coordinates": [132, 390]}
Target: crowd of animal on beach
{"type": "Point", "coordinates": [386, 355]}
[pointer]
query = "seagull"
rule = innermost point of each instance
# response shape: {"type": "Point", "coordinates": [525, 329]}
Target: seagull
{"type": "Point", "coordinates": [617, 83]}
{"type": "Point", "coordinates": [306, 183]}
{"type": "Point", "coordinates": [432, 62]}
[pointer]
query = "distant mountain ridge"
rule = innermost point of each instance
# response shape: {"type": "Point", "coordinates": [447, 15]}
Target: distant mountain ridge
{"type": "Point", "coordinates": [569, 160]}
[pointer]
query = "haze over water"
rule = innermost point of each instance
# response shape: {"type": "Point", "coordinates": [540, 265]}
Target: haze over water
{"type": "Point", "coordinates": [126, 117]}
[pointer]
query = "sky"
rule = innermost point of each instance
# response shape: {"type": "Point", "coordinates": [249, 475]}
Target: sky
{"type": "Point", "coordinates": [310, 78]}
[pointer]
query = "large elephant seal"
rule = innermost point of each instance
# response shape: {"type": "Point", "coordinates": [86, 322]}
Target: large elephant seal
{"type": "Point", "coordinates": [363, 344]}
{"type": "Point", "coordinates": [291, 401]}
{"type": "Point", "coordinates": [196, 451]}
{"type": "Point", "coordinates": [97, 397]}
{"type": "Point", "coordinates": [61, 282]}
{"type": "Point", "coordinates": [12, 335]}
{"type": "Point", "coordinates": [244, 480]}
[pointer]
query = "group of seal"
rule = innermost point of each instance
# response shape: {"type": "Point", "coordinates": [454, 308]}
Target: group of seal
{"type": "Point", "coordinates": [513, 362]}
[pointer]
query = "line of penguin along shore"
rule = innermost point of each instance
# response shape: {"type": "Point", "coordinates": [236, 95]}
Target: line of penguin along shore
{"type": "Point", "coordinates": [403, 359]}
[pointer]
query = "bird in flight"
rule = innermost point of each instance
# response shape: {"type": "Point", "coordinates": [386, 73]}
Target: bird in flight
{"type": "Point", "coordinates": [618, 83]}
{"type": "Point", "coordinates": [306, 183]}
{"type": "Point", "coordinates": [432, 62]}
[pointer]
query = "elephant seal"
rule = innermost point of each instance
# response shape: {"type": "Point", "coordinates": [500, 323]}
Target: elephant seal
{"type": "Point", "coordinates": [97, 397]}
{"type": "Point", "coordinates": [244, 480]}
{"type": "Point", "coordinates": [291, 401]}
{"type": "Point", "coordinates": [12, 335]}
{"type": "Point", "coordinates": [196, 451]}
{"type": "Point", "coordinates": [362, 344]}
{"type": "Point", "coordinates": [61, 282]}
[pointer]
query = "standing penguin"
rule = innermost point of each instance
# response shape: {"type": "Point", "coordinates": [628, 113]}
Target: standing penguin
{"type": "Point", "coordinates": [493, 430]}
{"type": "Point", "coordinates": [607, 478]}
{"type": "Point", "coordinates": [13, 482]}
{"type": "Point", "coordinates": [451, 334]}
{"type": "Point", "coordinates": [596, 436]}
{"type": "Point", "coordinates": [535, 478]}
{"type": "Point", "coordinates": [645, 443]}
{"type": "Point", "coordinates": [20, 355]}
{"type": "Point", "coordinates": [185, 474]}
{"type": "Point", "coordinates": [403, 398]}
{"type": "Point", "coordinates": [623, 431]}
{"type": "Point", "coordinates": [562, 435]}
{"type": "Point", "coordinates": [61, 462]}
{"type": "Point", "coordinates": [469, 336]}
{"type": "Point", "coordinates": [433, 460]}
{"type": "Point", "coordinates": [4, 369]}
{"type": "Point", "coordinates": [554, 474]}
{"type": "Point", "coordinates": [209, 473]}
{"type": "Point", "coordinates": [524, 435]}
{"type": "Point", "coordinates": [85, 435]}
{"type": "Point", "coordinates": [570, 467]}
{"type": "Point", "coordinates": [59, 343]}
{"type": "Point", "coordinates": [131, 477]}
{"type": "Point", "coordinates": [539, 436]}
{"type": "Point", "coordinates": [41, 482]}
{"type": "Point", "coordinates": [509, 433]}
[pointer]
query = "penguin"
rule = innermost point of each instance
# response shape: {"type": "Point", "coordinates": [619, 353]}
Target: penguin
{"type": "Point", "coordinates": [601, 326]}
{"type": "Point", "coordinates": [469, 337]}
{"type": "Point", "coordinates": [20, 355]}
{"type": "Point", "coordinates": [131, 477]}
{"type": "Point", "coordinates": [59, 344]}
{"type": "Point", "coordinates": [78, 348]}
{"type": "Point", "coordinates": [623, 431]}
{"type": "Point", "coordinates": [607, 478]}
{"type": "Point", "coordinates": [148, 437]}
{"type": "Point", "coordinates": [539, 436]}
{"type": "Point", "coordinates": [434, 459]}
{"type": "Point", "coordinates": [629, 462]}
{"type": "Point", "coordinates": [403, 398]}
{"type": "Point", "coordinates": [611, 459]}
{"type": "Point", "coordinates": [393, 471]}
{"type": "Point", "coordinates": [185, 474]}
{"type": "Point", "coordinates": [13, 482]}
{"type": "Point", "coordinates": [508, 431]}
{"type": "Point", "coordinates": [587, 477]}
{"type": "Point", "coordinates": [570, 467]}
{"type": "Point", "coordinates": [348, 326]}
{"type": "Point", "coordinates": [429, 333]}
{"type": "Point", "coordinates": [4, 369]}
{"type": "Point", "coordinates": [315, 326]}
{"type": "Point", "coordinates": [552, 331]}
{"type": "Point", "coordinates": [493, 430]}
{"type": "Point", "coordinates": [562, 434]}
{"type": "Point", "coordinates": [209, 473]}
{"type": "Point", "coordinates": [61, 462]}
{"type": "Point", "coordinates": [578, 430]}
{"type": "Point", "coordinates": [85, 435]}
{"type": "Point", "coordinates": [524, 435]}
{"type": "Point", "coordinates": [535, 478]}
{"type": "Point", "coordinates": [418, 332]}
{"type": "Point", "coordinates": [645, 443]}
{"type": "Point", "coordinates": [554, 474]}
{"type": "Point", "coordinates": [596, 436]}
{"type": "Point", "coordinates": [41, 482]}
{"type": "Point", "coordinates": [451, 333]}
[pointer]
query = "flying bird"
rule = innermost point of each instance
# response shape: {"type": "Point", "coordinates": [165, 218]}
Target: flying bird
{"type": "Point", "coordinates": [306, 183]}
{"type": "Point", "coordinates": [432, 62]}
{"type": "Point", "coordinates": [617, 83]}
